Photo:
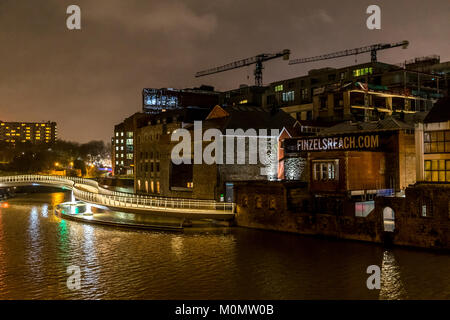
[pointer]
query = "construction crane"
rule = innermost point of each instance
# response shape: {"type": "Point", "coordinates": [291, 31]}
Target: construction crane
{"type": "Point", "coordinates": [257, 60]}
{"type": "Point", "coordinates": [372, 49]}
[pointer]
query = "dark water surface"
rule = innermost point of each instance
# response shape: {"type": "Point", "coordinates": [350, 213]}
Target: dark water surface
{"type": "Point", "coordinates": [36, 248]}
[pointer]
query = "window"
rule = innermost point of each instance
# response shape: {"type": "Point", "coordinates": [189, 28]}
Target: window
{"type": "Point", "coordinates": [362, 71]}
{"type": "Point", "coordinates": [437, 141]}
{"type": "Point", "coordinates": [305, 94]}
{"type": "Point", "coordinates": [279, 88]}
{"type": "Point", "coordinates": [288, 96]}
{"type": "Point", "coordinates": [437, 170]}
{"type": "Point", "coordinates": [325, 170]}
{"type": "Point", "coordinates": [362, 209]}
{"type": "Point", "coordinates": [426, 207]}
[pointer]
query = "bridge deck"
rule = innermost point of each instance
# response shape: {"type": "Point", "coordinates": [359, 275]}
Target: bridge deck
{"type": "Point", "coordinates": [89, 191]}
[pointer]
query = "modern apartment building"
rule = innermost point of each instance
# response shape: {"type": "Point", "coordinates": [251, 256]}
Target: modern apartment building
{"type": "Point", "coordinates": [31, 132]}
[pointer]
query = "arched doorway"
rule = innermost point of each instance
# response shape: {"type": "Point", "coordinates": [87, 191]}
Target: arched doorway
{"type": "Point", "coordinates": [388, 219]}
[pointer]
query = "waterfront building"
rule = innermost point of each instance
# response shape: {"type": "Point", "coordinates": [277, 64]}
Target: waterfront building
{"type": "Point", "coordinates": [216, 180]}
{"type": "Point", "coordinates": [122, 144]}
{"type": "Point", "coordinates": [154, 173]}
{"type": "Point", "coordinates": [433, 144]}
{"type": "Point", "coordinates": [28, 132]}
{"type": "Point", "coordinates": [356, 160]}
{"type": "Point", "coordinates": [157, 174]}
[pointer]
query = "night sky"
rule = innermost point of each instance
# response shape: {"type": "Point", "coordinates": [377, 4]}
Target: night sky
{"type": "Point", "coordinates": [91, 79]}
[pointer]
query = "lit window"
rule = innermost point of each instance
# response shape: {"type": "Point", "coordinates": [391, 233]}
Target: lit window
{"type": "Point", "coordinates": [279, 88]}
{"type": "Point", "coordinates": [325, 170]}
{"type": "Point", "coordinates": [437, 141]}
{"type": "Point", "coordinates": [288, 96]}
{"type": "Point", "coordinates": [437, 170]}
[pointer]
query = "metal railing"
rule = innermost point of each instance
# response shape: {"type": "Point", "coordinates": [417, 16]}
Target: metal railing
{"type": "Point", "coordinates": [120, 199]}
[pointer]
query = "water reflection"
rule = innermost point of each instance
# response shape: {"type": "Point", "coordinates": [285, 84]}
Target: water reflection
{"type": "Point", "coordinates": [391, 283]}
{"type": "Point", "coordinates": [44, 211]}
{"type": "Point", "coordinates": [228, 263]}
{"type": "Point", "coordinates": [177, 245]}
{"type": "Point", "coordinates": [34, 247]}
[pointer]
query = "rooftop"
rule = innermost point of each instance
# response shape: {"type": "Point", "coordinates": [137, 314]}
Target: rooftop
{"type": "Point", "coordinates": [440, 111]}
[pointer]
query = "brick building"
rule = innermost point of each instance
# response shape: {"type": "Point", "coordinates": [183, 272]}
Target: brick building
{"type": "Point", "coordinates": [153, 174]}
{"type": "Point", "coordinates": [356, 161]}
{"type": "Point", "coordinates": [122, 144]}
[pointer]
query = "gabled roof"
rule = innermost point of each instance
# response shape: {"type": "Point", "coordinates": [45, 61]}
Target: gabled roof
{"type": "Point", "coordinates": [248, 117]}
{"type": "Point", "coordinates": [440, 111]}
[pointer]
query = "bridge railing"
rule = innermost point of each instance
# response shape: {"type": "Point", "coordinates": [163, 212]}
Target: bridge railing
{"type": "Point", "coordinates": [157, 203]}
{"type": "Point", "coordinates": [120, 199]}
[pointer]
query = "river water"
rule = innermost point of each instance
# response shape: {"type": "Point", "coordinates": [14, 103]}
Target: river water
{"type": "Point", "coordinates": [36, 249]}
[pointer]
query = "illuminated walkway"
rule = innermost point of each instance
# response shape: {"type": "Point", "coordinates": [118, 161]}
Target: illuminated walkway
{"type": "Point", "coordinates": [89, 191]}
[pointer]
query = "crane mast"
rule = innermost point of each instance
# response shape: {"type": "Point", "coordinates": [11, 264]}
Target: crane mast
{"type": "Point", "coordinates": [350, 52]}
{"type": "Point", "coordinates": [256, 60]}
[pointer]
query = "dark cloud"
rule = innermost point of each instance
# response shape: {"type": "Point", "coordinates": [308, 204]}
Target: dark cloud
{"type": "Point", "coordinates": [91, 79]}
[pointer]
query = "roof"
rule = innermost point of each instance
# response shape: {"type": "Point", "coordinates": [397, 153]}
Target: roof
{"type": "Point", "coordinates": [387, 124]}
{"type": "Point", "coordinates": [248, 117]}
{"type": "Point", "coordinates": [440, 111]}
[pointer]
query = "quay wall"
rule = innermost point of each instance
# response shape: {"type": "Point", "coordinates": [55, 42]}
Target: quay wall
{"type": "Point", "coordinates": [290, 207]}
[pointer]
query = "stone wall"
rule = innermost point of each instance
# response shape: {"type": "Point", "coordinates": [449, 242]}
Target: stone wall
{"type": "Point", "coordinates": [411, 227]}
{"type": "Point", "coordinates": [289, 207]}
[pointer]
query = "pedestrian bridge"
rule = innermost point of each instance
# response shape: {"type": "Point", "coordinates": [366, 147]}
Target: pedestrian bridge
{"type": "Point", "coordinates": [90, 191]}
